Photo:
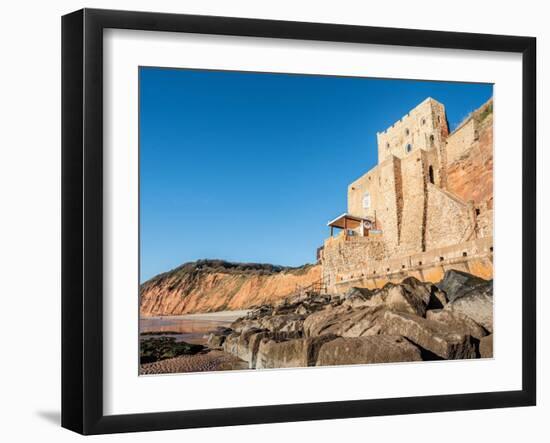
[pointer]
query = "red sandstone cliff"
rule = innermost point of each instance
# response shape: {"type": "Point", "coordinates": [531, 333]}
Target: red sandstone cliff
{"type": "Point", "coordinates": [471, 176]}
{"type": "Point", "coordinates": [215, 285]}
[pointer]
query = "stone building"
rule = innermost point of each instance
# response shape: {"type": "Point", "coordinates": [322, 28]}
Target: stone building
{"type": "Point", "coordinates": [425, 208]}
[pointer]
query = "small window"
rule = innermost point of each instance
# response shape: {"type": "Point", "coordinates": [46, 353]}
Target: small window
{"type": "Point", "coordinates": [432, 141]}
{"type": "Point", "coordinates": [431, 174]}
{"type": "Point", "coordinates": [387, 146]}
{"type": "Point", "coordinates": [366, 200]}
{"type": "Point", "coordinates": [409, 147]}
{"type": "Point", "coordinates": [402, 266]}
{"type": "Point", "coordinates": [478, 211]}
{"type": "Point", "coordinates": [407, 132]}
{"type": "Point", "coordinates": [423, 121]}
{"type": "Point", "coordinates": [464, 254]}
{"type": "Point", "coordinates": [441, 258]}
{"type": "Point", "coordinates": [419, 263]}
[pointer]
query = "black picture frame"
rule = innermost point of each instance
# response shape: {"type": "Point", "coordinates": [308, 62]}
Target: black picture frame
{"type": "Point", "coordinates": [82, 215]}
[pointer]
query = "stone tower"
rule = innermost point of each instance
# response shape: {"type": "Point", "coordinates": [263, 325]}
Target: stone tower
{"type": "Point", "coordinates": [424, 127]}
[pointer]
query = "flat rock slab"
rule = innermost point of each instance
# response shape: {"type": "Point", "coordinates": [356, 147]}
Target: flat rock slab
{"type": "Point", "coordinates": [365, 350]}
{"type": "Point", "coordinates": [432, 336]}
{"type": "Point", "coordinates": [457, 322]}
{"type": "Point", "coordinates": [345, 322]}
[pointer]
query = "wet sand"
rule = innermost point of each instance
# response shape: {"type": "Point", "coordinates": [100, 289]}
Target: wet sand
{"type": "Point", "coordinates": [212, 360]}
{"type": "Point", "coordinates": [191, 328]}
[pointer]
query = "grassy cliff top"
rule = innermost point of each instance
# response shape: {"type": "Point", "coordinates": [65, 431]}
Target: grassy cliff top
{"type": "Point", "coordinates": [226, 267]}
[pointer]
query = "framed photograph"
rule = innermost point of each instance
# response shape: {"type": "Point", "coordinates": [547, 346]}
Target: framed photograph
{"type": "Point", "coordinates": [269, 221]}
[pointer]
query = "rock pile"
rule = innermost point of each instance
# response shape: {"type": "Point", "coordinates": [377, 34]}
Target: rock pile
{"type": "Point", "coordinates": [410, 321]}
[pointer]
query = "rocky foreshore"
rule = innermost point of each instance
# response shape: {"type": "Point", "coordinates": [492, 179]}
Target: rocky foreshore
{"type": "Point", "coordinates": [410, 321]}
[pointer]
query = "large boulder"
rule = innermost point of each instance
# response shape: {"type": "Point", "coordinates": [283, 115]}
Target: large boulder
{"type": "Point", "coordinates": [457, 283]}
{"type": "Point", "coordinates": [413, 299]}
{"type": "Point", "coordinates": [364, 350]}
{"type": "Point", "coordinates": [239, 344]}
{"type": "Point", "coordinates": [476, 303]}
{"type": "Point", "coordinates": [282, 323]}
{"type": "Point", "coordinates": [411, 296]}
{"type": "Point", "coordinates": [245, 323]}
{"type": "Point", "coordinates": [274, 352]}
{"type": "Point", "coordinates": [357, 297]}
{"type": "Point", "coordinates": [217, 337]}
{"type": "Point", "coordinates": [345, 321]}
{"type": "Point", "coordinates": [246, 345]}
{"type": "Point", "coordinates": [432, 336]}
{"type": "Point", "coordinates": [457, 322]}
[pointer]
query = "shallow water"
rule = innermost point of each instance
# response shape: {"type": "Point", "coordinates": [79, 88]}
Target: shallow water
{"type": "Point", "coordinates": [192, 328]}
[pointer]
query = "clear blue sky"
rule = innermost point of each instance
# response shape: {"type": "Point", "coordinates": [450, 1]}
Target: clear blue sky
{"type": "Point", "coordinates": [250, 167]}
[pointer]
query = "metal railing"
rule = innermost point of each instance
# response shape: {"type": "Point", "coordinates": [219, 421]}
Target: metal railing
{"type": "Point", "coordinates": [315, 288]}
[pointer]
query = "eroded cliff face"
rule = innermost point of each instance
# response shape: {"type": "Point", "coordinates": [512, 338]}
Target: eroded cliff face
{"type": "Point", "coordinates": [212, 285]}
{"type": "Point", "coordinates": [470, 176]}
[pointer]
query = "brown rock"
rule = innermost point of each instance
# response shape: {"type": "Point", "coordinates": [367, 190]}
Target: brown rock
{"type": "Point", "coordinates": [402, 298]}
{"type": "Point", "coordinates": [457, 322]}
{"type": "Point", "coordinates": [282, 323]}
{"type": "Point", "coordinates": [364, 350]}
{"type": "Point", "coordinates": [275, 353]}
{"type": "Point", "coordinates": [345, 322]}
{"type": "Point", "coordinates": [438, 299]}
{"type": "Point", "coordinates": [411, 296]}
{"type": "Point", "coordinates": [215, 340]}
{"type": "Point", "coordinates": [243, 324]}
{"type": "Point", "coordinates": [430, 335]}
{"type": "Point", "coordinates": [238, 344]}
{"type": "Point", "coordinates": [476, 304]}
{"type": "Point", "coordinates": [486, 347]}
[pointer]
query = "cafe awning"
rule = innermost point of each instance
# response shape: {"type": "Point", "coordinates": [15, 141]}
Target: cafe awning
{"type": "Point", "coordinates": [348, 221]}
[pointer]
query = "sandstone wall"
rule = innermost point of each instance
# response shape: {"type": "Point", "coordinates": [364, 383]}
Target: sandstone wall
{"type": "Point", "coordinates": [384, 184]}
{"type": "Point", "coordinates": [343, 253]}
{"type": "Point", "coordinates": [474, 257]}
{"type": "Point", "coordinates": [449, 220]}
{"type": "Point", "coordinates": [413, 175]}
{"type": "Point", "coordinates": [461, 140]}
{"type": "Point", "coordinates": [424, 127]}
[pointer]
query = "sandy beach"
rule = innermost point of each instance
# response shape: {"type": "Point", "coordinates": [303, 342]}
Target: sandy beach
{"type": "Point", "coordinates": [191, 328]}
{"type": "Point", "coordinates": [211, 360]}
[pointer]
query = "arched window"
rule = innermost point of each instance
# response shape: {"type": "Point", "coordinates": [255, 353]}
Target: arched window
{"type": "Point", "coordinates": [387, 146]}
{"type": "Point", "coordinates": [432, 141]}
{"type": "Point", "coordinates": [431, 174]}
{"type": "Point", "coordinates": [409, 147]}
{"type": "Point", "coordinates": [366, 200]}
{"type": "Point", "coordinates": [407, 132]}
{"type": "Point", "coordinates": [423, 121]}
